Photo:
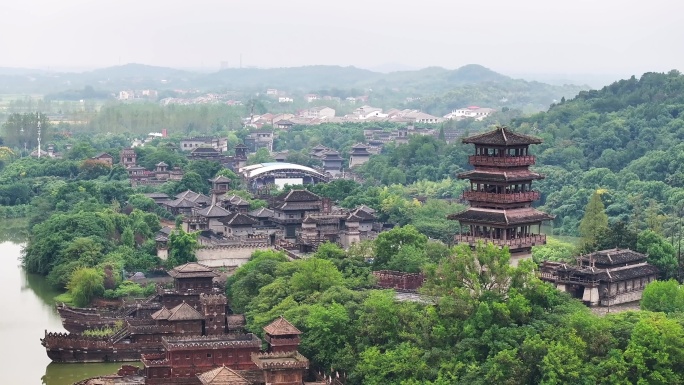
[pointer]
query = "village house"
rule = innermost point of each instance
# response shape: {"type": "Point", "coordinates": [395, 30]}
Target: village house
{"type": "Point", "coordinates": [219, 144]}
{"type": "Point", "coordinates": [319, 112]}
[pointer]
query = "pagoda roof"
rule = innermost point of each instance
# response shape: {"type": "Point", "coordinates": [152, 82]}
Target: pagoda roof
{"type": "Point", "coordinates": [192, 270]}
{"type": "Point", "coordinates": [213, 211]}
{"type": "Point", "coordinates": [161, 314]}
{"type": "Point", "coordinates": [222, 376]}
{"type": "Point", "coordinates": [184, 312]}
{"type": "Point", "coordinates": [501, 217]}
{"type": "Point", "coordinates": [500, 176]}
{"type": "Point", "coordinates": [162, 164]}
{"type": "Point", "coordinates": [281, 327]}
{"type": "Point", "coordinates": [502, 136]}
{"type": "Point", "coordinates": [238, 219]}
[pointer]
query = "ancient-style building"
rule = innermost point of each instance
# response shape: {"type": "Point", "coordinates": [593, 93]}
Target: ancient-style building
{"type": "Point", "coordinates": [291, 207]}
{"type": "Point", "coordinates": [607, 277]}
{"type": "Point", "coordinates": [344, 227]}
{"type": "Point", "coordinates": [234, 357]}
{"type": "Point", "coordinates": [128, 157]}
{"type": "Point", "coordinates": [501, 194]}
{"type": "Point", "coordinates": [195, 306]}
{"type": "Point", "coordinates": [358, 155]}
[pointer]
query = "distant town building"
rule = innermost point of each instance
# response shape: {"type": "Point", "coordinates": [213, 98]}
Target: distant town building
{"type": "Point", "coordinates": [220, 144]}
{"type": "Point", "coordinates": [472, 112]}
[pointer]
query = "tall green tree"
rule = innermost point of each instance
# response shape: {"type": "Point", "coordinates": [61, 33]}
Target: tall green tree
{"type": "Point", "coordinates": [389, 244]}
{"type": "Point", "coordinates": [85, 284]}
{"type": "Point", "coordinates": [593, 223]}
{"type": "Point", "coordinates": [182, 247]}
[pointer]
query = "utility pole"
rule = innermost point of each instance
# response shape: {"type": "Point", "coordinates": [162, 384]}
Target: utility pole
{"type": "Point", "coordinates": [38, 115]}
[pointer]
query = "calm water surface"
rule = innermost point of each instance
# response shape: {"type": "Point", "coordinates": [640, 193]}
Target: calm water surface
{"type": "Point", "coordinates": [26, 311]}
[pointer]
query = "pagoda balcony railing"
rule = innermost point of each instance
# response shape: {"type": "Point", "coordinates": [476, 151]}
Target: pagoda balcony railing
{"type": "Point", "coordinates": [502, 161]}
{"type": "Point", "coordinates": [516, 243]}
{"type": "Point", "coordinates": [482, 196]}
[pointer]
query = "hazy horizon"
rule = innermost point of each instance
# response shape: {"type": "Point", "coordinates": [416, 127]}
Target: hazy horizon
{"type": "Point", "coordinates": [529, 36]}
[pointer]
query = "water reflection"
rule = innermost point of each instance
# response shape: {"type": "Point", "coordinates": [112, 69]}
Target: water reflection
{"type": "Point", "coordinates": [67, 374]}
{"type": "Point", "coordinates": [28, 310]}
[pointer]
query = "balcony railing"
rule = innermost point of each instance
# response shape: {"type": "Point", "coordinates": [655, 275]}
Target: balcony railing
{"type": "Point", "coordinates": [502, 161]}
{"type": "Point", "coordinates": [482, 196]}
{"type": "Point", "coordinates": [516, 243]}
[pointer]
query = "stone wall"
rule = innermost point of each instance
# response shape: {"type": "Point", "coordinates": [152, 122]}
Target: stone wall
{"type": "Point", "coordinates": [228, 255]}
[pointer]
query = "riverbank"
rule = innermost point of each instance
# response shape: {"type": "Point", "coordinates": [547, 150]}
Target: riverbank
{"type": "Point", "coordinates": [28, 310]}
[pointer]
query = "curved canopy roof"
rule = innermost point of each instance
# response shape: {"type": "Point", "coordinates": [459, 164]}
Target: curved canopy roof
{"type": "Point", "coordinates": [263, 168]}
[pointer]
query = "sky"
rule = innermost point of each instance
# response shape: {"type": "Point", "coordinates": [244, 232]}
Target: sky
{"type": "Point", "coordinates": [523, 36]}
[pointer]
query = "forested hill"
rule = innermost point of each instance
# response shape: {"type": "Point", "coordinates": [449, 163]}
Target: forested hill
{"type": "Point", "coordinates": [481, 84]}
{"type": "Point", "coordinates": [625, 138]}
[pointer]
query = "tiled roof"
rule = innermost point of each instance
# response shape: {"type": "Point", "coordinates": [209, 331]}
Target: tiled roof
{"type": "Point", "coordinates": [181, 203]}
{"type": "Point", "coordinates": [192, 270]}
{"type": "Point", "coordinates": [204, 150]}
{"type": "Point", "coordinates": [366, 209]}
{"type": "Point", "coordinates": [503, 217]}
{"type": "Point", "coordinates": [237, 200]}
{"type": "Point", "coordinates": [497, 176]}
{"type": "Point", "coordinates": [220, 179]}
{"type": "Point", "coordinates": [612, 274]}
{"type": "Point", "coordinates": [213, 211]}
{"type": "Point", "coordinates": [162, 164]}
{"type": "Point", "coordinates": [161, 314]}
{"type": "Point", "coordinates": [363, 214]}
{"type": "Point", "coordinates": [614, 257]}
{"type": "Point", "coordinates": [238, 219]}
{"type": "Point", "coordinates": [502, 136]}
{"type": "Point", "coordinates": [187, 194]}
{"type": "Point", "coordinates": [299, 206]}
{"type": "Point", "coordinates": [222, 376]}
{"type": "Point", "coordinates": [156, 195]}
{"type": "Point", "coordinates": [298, 196]}
{"type": "Point", "coordinates": [261, 213]}
{"type": "Point", "coordinates": [184, 312]}
{"type": "Point", "coordinates": [281, 327]}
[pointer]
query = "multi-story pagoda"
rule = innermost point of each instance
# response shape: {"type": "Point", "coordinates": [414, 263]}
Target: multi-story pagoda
{"type": "Point", "coordinates": [501, 194]}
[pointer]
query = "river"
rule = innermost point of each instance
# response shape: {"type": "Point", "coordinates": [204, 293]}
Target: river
{"type": "Point", "coordinates": [27, 310]}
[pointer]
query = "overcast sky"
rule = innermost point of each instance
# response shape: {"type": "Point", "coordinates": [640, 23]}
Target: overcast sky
{"type": "Point", "coordinates": [523, 36]}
